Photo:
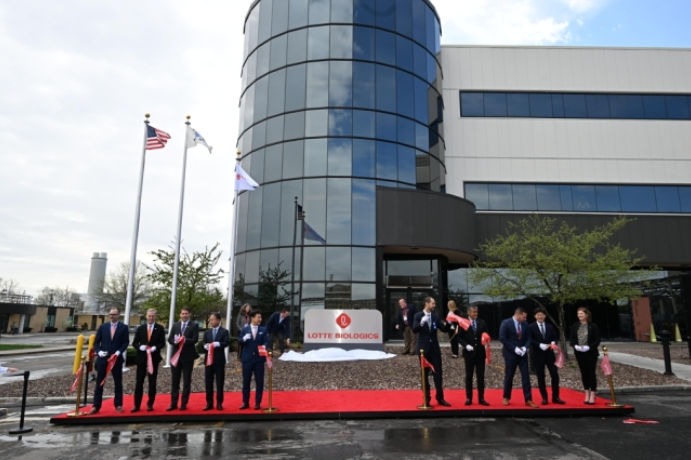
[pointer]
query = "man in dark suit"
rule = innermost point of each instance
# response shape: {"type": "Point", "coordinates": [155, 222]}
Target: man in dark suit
{"type": "Point", "coordinates": [149, 339]}
{"type": "Point", "coordinates": [220, 338]}
{"type": "Point", "coordinates": [112, 339]}
{"type": "Point", "coordinates": [251, 337]}
{"type": "Point", "coordinates": [474, 355]}
{"type": "Point", "coordinates": [279, 325]}
{"type": "Point", "coordinates": [406, 314]}
{"type": "Point", "coordinates": [425, 325]}
{"type": "Point", "coordinates": [542, 337]}
{"type": "Point", "coordinates": [515, 338]}
{"type": "Point", "coordinates": [190, 331]}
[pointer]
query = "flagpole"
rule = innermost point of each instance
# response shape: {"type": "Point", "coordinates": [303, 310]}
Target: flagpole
{"type": "Point", "coordinates": [231, 279]}
{"type": "Point", "coordinates": [292, 272]}
{"type": "Point", "coordinates": [173, 292]}
{"type": "Point", "coordinates": [302, 253]}
{"type": "Point", "coordinates": [135, 233]}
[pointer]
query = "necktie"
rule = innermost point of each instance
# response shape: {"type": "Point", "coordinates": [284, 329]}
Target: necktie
{"type": "Point", "coordinates": [474, 326]}
{"type": "Point", "coordinates": [254, 332]}
{"type": "Point", "coordinates": [112, 330]}
{"type": "Point", "coordinates": [518, 331]}
{"type": "Point", "coordinates": [214, 334]}
{"type": "Point", "coordinates": [182, 329]}
{"type": "Point", "coordinates": [542, 329]}
{"type": "Point", "coordinates": [429, 321]}
{"type": "Point", "coordinates": [148, 333]}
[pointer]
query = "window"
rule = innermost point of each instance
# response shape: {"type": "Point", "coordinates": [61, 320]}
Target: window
{"type": "Point", "coordinates": [654, 107]}
{"type": "Point", "coordinates": [524, 197]}
{"type": "Point", "coordinates": [541, 105]}
{"type": "Point", "coordinates": [548, 198]}
{"type": "Point", "coordinates": [626, 106]}
{"type": "Point", "coordinates": [472, 105]}
{"type": "Point", "coordinates": [677, 107]}
{"type": "Point", "coordinates": [518, 104]}
{"type": "Point", "coordinates": [478, 194]}
{"type": "Point", "coordinates": [500, 197]}
{"type": "Point", "coordinates": [607, 198]}
{"type": "Point", "coordinates": [574, 106]}
{"type": "Point", "coordinates": [495, 105]}
{"type": "Point", "coordinates": [667, 199]}
{"type": "Point", "coordinates": [637, 198]}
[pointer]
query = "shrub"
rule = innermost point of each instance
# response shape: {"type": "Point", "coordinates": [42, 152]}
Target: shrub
{"type": "Point", "coordinates": [50, 329]}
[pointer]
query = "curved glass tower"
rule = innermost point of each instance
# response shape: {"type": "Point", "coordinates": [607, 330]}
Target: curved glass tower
{"type": "Point", "coordinates": [338, 97]}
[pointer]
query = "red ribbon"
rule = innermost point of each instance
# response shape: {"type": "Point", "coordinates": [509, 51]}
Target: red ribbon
{"type": "Point", "coordinates": [486, 341]}
{"type": "Point", "coordinates": [210, 355]}
{"type": "Point", "coordinates": [559, 362]}
{"type": "Point", "coordinates": [631, 421]}
{"type": "Point", "coordinates": [425, 363]}
{"type": "Point", "coordinates": [149, 362]}
{"type": "Point", "coordinates": [111, 364]}
{"type": "Point", "coordinates": [606, 366]}
{"type": "Point", "coordinates": [464, 323]}
{"type": "Point", "coordinates": [176, 356]}
{"type": "Point", "coordinates": [264, 353]}
{"type": "Point", "coordinates": [76, 380]}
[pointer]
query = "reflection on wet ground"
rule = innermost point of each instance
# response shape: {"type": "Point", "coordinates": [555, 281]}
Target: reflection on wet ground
{"type": "Point", "coordinates": [332, 440]}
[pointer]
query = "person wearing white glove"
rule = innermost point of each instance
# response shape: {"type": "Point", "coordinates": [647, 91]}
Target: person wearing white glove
{"type": "Point", "coordinates": [474, 355]}
{"type": "Point", "coordinates": [149, 339]}
{"type": "Point", "coordinates": [514, 334]}
{"type": "Point", "coordinates": [585, 339]}
{"type": "Point", "coordinates": [252, 361]}
{"type": "Point", "coordinates": [187, 356]}
{"type": "Point", "coordinates": [543, 335]}
{"type": "Point", "coordinates": [215, 370]}
{"type": "Point", "coordinates": [112, 339]}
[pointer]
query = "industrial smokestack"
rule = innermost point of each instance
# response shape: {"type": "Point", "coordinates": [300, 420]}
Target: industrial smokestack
{"type": "Point", "coordinates": [97, 276]}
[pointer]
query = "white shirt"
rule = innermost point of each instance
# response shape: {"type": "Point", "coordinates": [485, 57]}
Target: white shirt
{"type": "Point", "coordinates": [3, 369]}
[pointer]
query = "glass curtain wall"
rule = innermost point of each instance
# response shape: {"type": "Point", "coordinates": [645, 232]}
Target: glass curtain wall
{"type": "Point", "coordinates": [338, 97]}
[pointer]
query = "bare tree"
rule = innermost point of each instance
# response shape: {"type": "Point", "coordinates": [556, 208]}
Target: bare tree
{"type": "Point", "coordinates": [59, 297]}
{"type": "Point", "coordinates": [9, 287]}
{"type": "Point", "coordinates": [115, 287]}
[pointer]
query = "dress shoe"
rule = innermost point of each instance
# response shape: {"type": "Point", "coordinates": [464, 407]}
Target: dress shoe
{"type": "Point", "coordinates": [505, 402]}
{"type": "Point", "coordinates": [545, 402]}
{"type": "Point", "coordinates": [170, 408]}
{"type": "Point", "coordinates": [119, 409]}
{"type": "Point", "coordinates": [244, 406]}
{"type": "Point", "coordinates": [257, 407]}
{"type": "Point", "coordinates": [558, 401]}
{"type": "Point", "coordinates": [219, 406]}
{"type": "Point", "coordinates": [441, 402]}
{"type": "Point", "coordinates": [149, 408]}
{"type": "Point", "coordinates": [134, 409]}
{"type": "Point", "coordinates": [183, 407]}
{"type": "Point", "coordinates": [208, 407]}
{"type": "Point", "coordinates": [93, 411]}
{"type": "Point", "coordinates": [468, 402]}
{"type": "Point", "coordinates": [482, 402]}
{"type": "Point", "coordinates": [531, 404]}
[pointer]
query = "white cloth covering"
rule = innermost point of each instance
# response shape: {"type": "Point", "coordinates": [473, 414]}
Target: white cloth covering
{"type": "Point", "coordinates": [334, 354]}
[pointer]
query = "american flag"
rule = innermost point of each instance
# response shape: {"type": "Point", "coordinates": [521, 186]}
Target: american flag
{"type": "Point", "coordinates": [155, 138]}
{"type": "Point", "coordinates": [299, 216]}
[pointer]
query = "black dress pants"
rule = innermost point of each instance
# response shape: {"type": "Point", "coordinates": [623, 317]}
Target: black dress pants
{"type": "Point", "coordinates": [541, 381]}
{"type": "Point", "coordinates": [587, 362]}
{"type": "Point", "coordinates": [435, 361]}
{"type": "Point", "coordinates": [475, 364]}
{"type": "Point", "coordinates": [183, 370]}
{"type": "Point", "coordinates": [139, 387]}
{"type": "Point", "coordinates": [215, 372]}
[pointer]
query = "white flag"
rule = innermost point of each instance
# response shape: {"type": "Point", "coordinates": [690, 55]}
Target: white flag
{"type": "Point", "coordinates": [243, 181]}
{"type": "Point", "coordinates": [194, 139]}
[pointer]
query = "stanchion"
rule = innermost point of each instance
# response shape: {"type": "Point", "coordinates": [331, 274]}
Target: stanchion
{"type": "Point", "coordinates": [611, 387]}
{"type": "Point", "coordinates": [425, 403]}
{"type": "Point", "coordinates": [271, 409]}
{"type": "Point", "coordinates": [77, 412]}
{"type": "Point", "coordinates": [23, 429]}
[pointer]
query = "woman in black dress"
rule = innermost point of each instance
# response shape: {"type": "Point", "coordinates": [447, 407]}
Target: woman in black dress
{"type": "Point", "coordinates": [585, 340]}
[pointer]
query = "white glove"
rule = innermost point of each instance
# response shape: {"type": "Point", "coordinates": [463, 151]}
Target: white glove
{"type": "Point", "coordinates": [152, 349]}
{"type": "Point", "coordinates": [453, 328]}
{"type": "Point", "coordinates": [117, 353]}
{"type": "Point", "coordinates": [247, 337]}
{"type": "Point", "coordinates": [142, 348]}
{"type": "Point", "coordinates": [578, 348]}
{"type": "Point", "coordinates": [518, 351]}
{"type": "Point", "coordinates": [585, 348]}
{"type": "Point", "coordinates": [469, 347]}
{"type": "Point", "coordinates": [524, 350]}
{"type": "Point", "coordinates": [102, 354]}
{"type": "Point", "coordinates": [217, 344]}
{"type": "Point", "coordinates": [206, 346]}
{"type": "Point", "coordinates": [544, 346]}
{"type": "Point", "coordinates": [423, 320]}
{"type": "Point", "coordinates": [553, 343]}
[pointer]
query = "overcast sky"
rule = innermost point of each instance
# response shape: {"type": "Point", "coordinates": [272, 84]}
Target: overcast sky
{"type": "Point", "coordinates": [77, 77]}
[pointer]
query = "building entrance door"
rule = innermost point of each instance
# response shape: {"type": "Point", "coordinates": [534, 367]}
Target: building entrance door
{"type": "Point", "coordinates": [412, 296]}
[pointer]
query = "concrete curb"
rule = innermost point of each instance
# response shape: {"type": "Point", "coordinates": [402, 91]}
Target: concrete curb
{"type": "Point", "coordinates": [650, 389]}
{"type": "Point", "coordinates": [48, 401]}
{"type": "Point", "coordinates": [34, 351]}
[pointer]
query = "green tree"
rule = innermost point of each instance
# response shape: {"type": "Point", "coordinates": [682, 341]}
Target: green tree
{"type": "Point", "coordinates": [545, 262]}
{"type": "Point", "coordinates": [198, 278]}
{"type": "Point", "coordinates": [273, 294]}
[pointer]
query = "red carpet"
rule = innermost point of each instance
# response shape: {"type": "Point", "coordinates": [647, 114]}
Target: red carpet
{"type": "Point", "coordinates": [346, 404]}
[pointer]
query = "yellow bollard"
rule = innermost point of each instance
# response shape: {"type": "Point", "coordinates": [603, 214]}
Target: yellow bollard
{"type": "Point", "coordinates": [677, 333]}
{"type": "Point", "coordinates": [92, 340]}
{"type": "Point", "coordinates": [653, 338]}
{"type": "Point", "coordinates": [78, 355]}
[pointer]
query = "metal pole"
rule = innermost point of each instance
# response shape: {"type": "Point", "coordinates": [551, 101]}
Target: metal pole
{"type": "Point", "coordinates": [302, 255]}
{"type": "Point", "coordinates": [76, 412]}
{"type": "Point", "coordinates": [231, 273]}
{"type": "Point", "coordinates": [292, 273]}
{"type": "Point", "coordinates": [22, 429]}
{"type": "Point", "coordinates": [271, 408]}
{"type": "Point", "coordinates": [173, 292]}
{"type": "Point", "coordinates": [425, 405]}
{"type": "Point", "coordinates": [611, 387]}
{"type": "Point", "coordinates": [135, 232]}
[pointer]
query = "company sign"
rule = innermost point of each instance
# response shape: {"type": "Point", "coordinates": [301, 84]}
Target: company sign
{"type": "Point", "coordinates": [347, 329]}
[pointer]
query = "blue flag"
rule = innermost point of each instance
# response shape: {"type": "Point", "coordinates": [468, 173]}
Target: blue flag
{"type": "Point", "coordinates": [311, 234]}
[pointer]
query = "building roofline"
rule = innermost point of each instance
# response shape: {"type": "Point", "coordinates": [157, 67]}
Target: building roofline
{"type": "Point", "coordinates": [617, 48]}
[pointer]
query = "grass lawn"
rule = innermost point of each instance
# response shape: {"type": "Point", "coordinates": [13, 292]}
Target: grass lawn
{"type": "Point", "coordinates": [17, 347]}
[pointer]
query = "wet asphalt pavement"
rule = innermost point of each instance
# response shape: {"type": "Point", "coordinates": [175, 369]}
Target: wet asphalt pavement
{"type": "Point", "coordinates": [568, 438]}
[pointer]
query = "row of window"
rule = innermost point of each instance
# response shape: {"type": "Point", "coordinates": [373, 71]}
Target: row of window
{"type": "Point", "coordinates": [584, 198]}
{"type": "Point", "coordinates": [412, 18]}
{"type": "Point", "coordinates": [338, 84]}
{"type": "Point", "coordinates": [333, 263]}
{"type": "Point", "coordinates": [340, 42]}
{"type": "Point", "coordinates": [342, 123]}
{"type": "Point", "coordinates": [340, 296]}
{"type": "Point", "coordinates": [568, 105]}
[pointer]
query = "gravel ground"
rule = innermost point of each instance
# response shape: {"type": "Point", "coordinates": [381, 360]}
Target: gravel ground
{"type": "Point", "coordinates": [679, 355]}
{"type": "Point", "coordinates": [401, 372]}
